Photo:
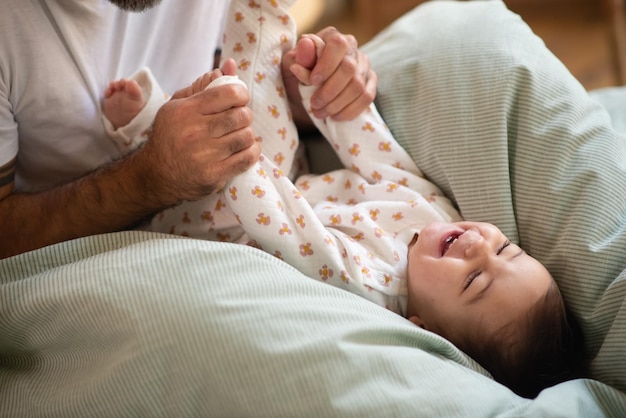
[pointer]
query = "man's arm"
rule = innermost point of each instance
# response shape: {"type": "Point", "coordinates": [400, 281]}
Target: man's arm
{"type": "Point", "coordinates": [197, 143]}
{"type": "Point", "coordinates": [110, 199]}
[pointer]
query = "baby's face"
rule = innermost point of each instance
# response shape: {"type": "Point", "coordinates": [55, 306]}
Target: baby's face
{"type": "Point", "coordinates": [468, 275]}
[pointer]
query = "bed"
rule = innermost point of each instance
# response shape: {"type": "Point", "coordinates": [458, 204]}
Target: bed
{"type": "Point", "coordinates": [143, 324]}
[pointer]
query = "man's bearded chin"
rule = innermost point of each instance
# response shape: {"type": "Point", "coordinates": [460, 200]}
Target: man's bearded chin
{"type": "Point", "coordinates": [135, 5]}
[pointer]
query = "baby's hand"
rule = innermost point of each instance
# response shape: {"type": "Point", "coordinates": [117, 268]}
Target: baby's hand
{"type": "Point", "coordinates": [308, 50]}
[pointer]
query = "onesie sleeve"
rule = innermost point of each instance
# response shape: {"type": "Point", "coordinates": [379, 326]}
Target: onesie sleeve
{"type": "Point", "coordinates": [134, 133]}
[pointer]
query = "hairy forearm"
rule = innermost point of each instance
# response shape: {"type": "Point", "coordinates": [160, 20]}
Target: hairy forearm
{"type": "Point", "coordinates": [198, 141]}
{"type": "Point", "coordinates": [110, 199]}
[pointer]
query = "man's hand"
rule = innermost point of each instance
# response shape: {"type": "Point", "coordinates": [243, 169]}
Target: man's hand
{"type": "Point", "coordinates": [228, 68]}
{"type": "Point", "coordinates": [347, 83]}
{"type": "Point", "coordinates": [200, 139]}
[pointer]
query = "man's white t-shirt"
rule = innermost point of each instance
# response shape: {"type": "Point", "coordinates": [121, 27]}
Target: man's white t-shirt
{"type": "Point", "coordinates": [58, 56]}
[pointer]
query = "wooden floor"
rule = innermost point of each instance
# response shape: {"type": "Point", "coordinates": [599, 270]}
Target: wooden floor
{"type": "Point", "coordinates": [579, 32]}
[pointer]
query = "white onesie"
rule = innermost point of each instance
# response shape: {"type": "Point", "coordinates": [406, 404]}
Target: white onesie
{"type": "Point", "coordinates": [350, 227]}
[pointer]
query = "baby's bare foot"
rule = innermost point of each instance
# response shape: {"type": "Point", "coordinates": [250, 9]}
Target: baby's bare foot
{"type": "Point", "coordinates": [123, 100]}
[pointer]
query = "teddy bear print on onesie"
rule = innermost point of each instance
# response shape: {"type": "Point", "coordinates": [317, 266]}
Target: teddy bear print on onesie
{"type": "Point", "coordinates": [256, 34]}
{"type": "Point", "coordinates": [349, 228]}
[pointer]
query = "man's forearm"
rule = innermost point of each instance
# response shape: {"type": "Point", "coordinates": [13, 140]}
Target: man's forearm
{"type": "Point", "coordinates": [110, 199]}
{"type": "Point", "coordinates": [198, 141]}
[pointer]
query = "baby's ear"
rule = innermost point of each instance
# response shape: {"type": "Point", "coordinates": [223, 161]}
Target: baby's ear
{"type": "Point", "coordinates": [417, 321]}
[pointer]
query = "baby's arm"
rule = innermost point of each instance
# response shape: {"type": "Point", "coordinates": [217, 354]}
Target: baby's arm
{"type": "Point", "coordinates": [364, 145]}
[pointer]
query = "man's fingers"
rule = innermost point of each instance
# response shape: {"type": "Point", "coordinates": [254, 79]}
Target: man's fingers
{"type": "Point", "coordinates": [237, 141]}
{"type": "Point", "coordinates": [231, 120]}
{"type": "Point", "coordinates": [337, 45]}
{"type": "Point", "coordinates": [213, 100]}
{"type": "Point", "coordinates": [341, 96]}
{"type": "Point", "coordinates": [355, 107]}
{"type": "Point", "coordinates": [233, 163]}
{"type": "Point", "coordinates": [243, 159]}
{"type": "Point", "coordinates": [203, 81]}
{"type": "Point", "coordinates": [334, 85]}
{"type": "Point", "coordinates": [221, 98]}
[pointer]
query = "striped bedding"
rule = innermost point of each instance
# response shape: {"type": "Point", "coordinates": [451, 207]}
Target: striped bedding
{"type": "Point", "coordinates": [142, 324]}
{"type": "Point", "coordinates": [500, 125]}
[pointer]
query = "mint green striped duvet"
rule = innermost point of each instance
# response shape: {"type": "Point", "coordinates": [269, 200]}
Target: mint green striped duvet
{"type": "Point", "coordinates": [138, 324]}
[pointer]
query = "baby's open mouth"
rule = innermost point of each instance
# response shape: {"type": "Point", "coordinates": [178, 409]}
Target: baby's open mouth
{"type": "Point", "coordinates": [447, 243]}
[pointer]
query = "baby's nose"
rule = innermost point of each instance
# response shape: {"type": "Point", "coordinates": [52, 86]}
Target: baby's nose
{"type": "Point", "coordinates": [473, 242]}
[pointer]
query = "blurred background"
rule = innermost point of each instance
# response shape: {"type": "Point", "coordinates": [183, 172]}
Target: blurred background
{"type": "Point", "coordinates": [589, 36]}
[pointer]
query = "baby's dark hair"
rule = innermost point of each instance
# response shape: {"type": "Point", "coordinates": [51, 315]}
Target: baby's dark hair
{"type": "Point", "coordinates": [546, 348]}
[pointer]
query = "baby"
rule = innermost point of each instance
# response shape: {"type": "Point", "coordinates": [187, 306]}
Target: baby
{"type": "Point", "coordinates": [377, 228]}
